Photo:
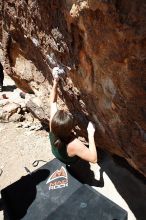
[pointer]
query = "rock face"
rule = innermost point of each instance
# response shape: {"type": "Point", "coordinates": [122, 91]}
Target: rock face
{"type": "Point", "coordinates": [104, 43]}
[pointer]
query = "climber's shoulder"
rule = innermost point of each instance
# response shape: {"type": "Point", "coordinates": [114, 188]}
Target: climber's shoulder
{"type": "Point", "coordinates": [75, 146]}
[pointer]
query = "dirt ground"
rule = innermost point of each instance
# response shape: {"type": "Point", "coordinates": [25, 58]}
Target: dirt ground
{"type": "Point", "coordinates": [19, 149]}
{"type": "Point", "coordinates": [19, 146]}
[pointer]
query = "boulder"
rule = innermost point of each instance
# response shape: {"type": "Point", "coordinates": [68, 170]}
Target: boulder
{"type": "Point", "coordinates": [16, 117]}
{"type": "Point", "coordinates": [11, 108]}
{"type": "Point", "coordinates": [8, 110]}
{"type": "Point", "coordinates": [104, 44]}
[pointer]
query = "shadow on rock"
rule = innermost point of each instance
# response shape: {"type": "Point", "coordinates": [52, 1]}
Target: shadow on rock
{"type": "Point", "coordinates": [129, 183]}
{"type": "Point", "coordinates": [82, 172]}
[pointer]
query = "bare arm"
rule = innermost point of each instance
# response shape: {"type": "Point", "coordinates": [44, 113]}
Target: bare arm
{"type": "Point", "coordinates": [53, 99]}
{"type": "Point", "coordinates": [92, 146]}
{"type": "Point", "coordinates": [53, 95]}
{"type": "Point", "coordinates": [79, 149]}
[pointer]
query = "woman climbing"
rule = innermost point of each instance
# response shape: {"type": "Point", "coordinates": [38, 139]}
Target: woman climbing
{"type": "Point", "coordinates": [65, 146]}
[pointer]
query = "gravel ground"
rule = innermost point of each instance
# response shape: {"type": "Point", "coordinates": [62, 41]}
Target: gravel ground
{"type": "Point", "coordinates": [19, 148]}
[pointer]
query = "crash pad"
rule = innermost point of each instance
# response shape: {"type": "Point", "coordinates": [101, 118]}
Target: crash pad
{"type": "Point", "coordinates": [52, 193]}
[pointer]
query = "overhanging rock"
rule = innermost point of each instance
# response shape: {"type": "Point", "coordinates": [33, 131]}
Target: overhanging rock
{"type": "Point", "coordinates": [104, 44]}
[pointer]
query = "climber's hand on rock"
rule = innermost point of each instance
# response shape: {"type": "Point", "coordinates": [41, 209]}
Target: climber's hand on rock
{"type": "Point", "coordinates": [56, 76]}
{"type": "Point", "coordinates": [91, 128]}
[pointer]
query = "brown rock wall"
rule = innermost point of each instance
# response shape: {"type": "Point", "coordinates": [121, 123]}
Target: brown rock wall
{"type": "Point", "coordinates": [104, 43]}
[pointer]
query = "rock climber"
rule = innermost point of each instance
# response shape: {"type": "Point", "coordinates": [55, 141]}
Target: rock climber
{"type": "Point", "coordinates": [65, 146]}
{"type": "Point", "coordinates": [1, 77]}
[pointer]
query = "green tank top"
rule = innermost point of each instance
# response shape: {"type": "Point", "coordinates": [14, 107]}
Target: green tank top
{"type": "Point", "coordinates": [61, 153]}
